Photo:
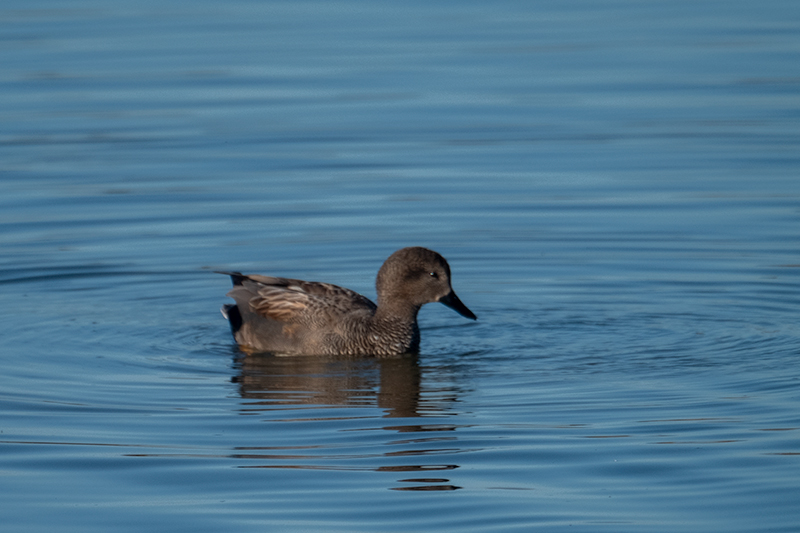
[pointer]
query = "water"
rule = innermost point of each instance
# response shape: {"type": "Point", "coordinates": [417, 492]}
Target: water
{"type": "Point", "coordinates": [615, 187]}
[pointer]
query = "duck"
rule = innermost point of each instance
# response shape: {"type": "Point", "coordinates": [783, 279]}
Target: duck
{"type": "Point", "coordinates": [295, 317]}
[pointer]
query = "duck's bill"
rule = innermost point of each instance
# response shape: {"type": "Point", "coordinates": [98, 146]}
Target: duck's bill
{"type": "Point", "coordinates": [452, 301]}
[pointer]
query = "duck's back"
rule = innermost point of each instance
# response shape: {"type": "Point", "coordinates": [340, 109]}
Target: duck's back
{"type": "Point", "coordinates": [293, 316]}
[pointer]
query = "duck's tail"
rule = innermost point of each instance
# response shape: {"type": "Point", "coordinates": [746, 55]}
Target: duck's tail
{"type": "Point", "coordinates": [231, 312]}
{"type": "Point", "coordinates": [236, 277]}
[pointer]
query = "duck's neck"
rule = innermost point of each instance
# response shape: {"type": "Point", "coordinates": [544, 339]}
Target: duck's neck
{"type": "Point", "coordinates": [396, 328]}
{"type": "Point", "coordinates": [400, 312]}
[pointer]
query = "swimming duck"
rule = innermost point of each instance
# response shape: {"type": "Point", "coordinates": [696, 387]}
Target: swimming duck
{"type": "Point", "coordinates": [291, 316]}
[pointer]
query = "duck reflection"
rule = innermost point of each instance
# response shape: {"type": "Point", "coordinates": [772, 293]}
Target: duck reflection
{"type": "Point", "coordinates": [274, 383]}
{"type": "Point", "coordinates": [392, 383]}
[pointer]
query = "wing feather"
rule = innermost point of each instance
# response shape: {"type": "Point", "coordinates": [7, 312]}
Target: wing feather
{"type": "Point", "coordinates": [303, 302]}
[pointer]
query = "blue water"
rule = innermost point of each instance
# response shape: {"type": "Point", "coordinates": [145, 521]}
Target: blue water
{"type": "Point", "coordinates": [615, 185]}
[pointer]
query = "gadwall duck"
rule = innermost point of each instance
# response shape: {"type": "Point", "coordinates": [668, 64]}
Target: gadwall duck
{"type": "Point", "coordinates": [305, 317]}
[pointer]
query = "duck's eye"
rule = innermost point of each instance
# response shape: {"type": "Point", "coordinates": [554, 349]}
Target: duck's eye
{"type": "Point", "coordinates": [434, 275]}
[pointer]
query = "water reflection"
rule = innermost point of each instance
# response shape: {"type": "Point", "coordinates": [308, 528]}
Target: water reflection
{"type": "Point", "coordinates": [393, 384]}
{"type": "Point", "coordinates": [280, 384]}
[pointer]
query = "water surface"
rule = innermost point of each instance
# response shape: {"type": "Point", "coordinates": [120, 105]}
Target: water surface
{"type": "Point", "coordinates": [614, 185]}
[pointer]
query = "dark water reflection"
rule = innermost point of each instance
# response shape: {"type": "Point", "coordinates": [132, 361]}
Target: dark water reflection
{"type": "Point", "coordinates": [281, 387]}
{"type": "Point", "coordinates": [393, 384]}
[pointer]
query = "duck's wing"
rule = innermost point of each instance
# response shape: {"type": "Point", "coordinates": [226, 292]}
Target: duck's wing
{"type": "Point", "coordinates": [296, 301]}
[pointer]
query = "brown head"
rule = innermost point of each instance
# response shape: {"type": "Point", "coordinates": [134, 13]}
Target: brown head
{"type": "Point", "coordinates": [413, 277]}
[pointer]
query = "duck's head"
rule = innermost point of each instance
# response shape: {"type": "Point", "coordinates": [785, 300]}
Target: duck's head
{"type": "Point", "coordinates": [412, 277]}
